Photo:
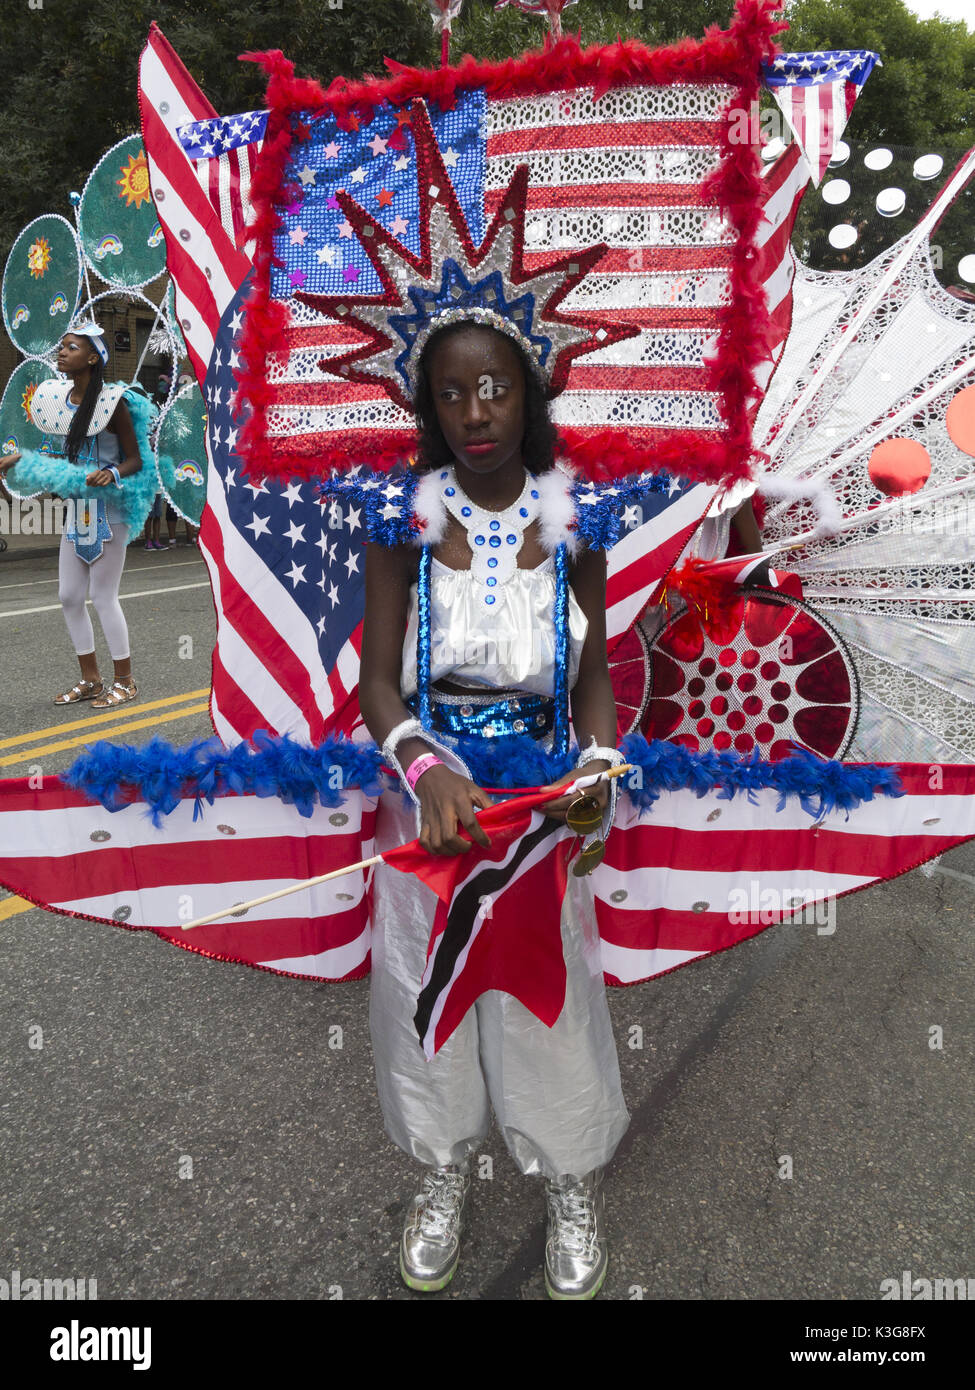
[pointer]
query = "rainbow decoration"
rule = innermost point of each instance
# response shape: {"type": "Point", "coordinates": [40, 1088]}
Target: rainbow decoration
{"type": "Point", "coordinates": [156, 236]}
{"type": "Point", "coordinates": [21, 315]}
{"type": "Point", "coordinates": [189, 472]}
{"type": "Point", "coordinates": [109, 245]}
{"type": "Point", "coordinates": [10, 445]}
{"type": "Point", "coordinates": [59, 305]}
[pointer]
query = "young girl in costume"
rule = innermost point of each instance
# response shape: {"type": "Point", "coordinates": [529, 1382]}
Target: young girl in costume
{"type": "Point", "coordinates": [96, 438]}
{"type": "Point", "coordinates": [497, 512]}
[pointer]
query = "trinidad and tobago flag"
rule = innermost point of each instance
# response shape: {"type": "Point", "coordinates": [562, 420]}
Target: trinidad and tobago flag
{"type": "Point", "coordinates": [499, 920]}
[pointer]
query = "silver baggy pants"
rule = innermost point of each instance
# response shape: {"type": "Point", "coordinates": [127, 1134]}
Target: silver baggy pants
{"type": "Point", "coordinates": [555, 1091]}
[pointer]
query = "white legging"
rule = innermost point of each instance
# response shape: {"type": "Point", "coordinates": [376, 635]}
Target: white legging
{"type": "Point", "coordinates": [103, 577]}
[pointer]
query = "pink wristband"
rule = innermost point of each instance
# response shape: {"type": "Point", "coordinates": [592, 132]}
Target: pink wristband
{"type": "Point", "coordinates": [419, 766]}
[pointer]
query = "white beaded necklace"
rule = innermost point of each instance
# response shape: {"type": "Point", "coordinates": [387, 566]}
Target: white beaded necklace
{"type": "Point", "coordinates": [495, 538]}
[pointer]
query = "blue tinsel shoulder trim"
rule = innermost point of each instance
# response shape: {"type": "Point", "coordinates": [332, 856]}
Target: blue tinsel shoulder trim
{"type": "Point", "coordinates": [602, 508]}
{"type": "Point", "coordinates": [386, 499]}
{"type": "Point", "coordinates": [303, 776]}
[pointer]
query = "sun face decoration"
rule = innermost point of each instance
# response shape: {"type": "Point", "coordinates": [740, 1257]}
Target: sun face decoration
{"type": "Point", "coordinates": [39, 257]}
{"type": "Point", "coordinates": [27, 397]}
{"type": "Point", "coordinates": [134, 183]}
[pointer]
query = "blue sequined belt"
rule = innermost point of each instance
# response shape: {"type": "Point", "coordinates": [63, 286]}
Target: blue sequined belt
{"type": "Point", "coordinates": [489, 717]}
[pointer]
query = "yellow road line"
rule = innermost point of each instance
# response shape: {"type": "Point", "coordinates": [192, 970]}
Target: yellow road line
{"type": "Point", "coordinates": [18, 739]}
{"type": "Point", "coordinates": [9, 907]}
{"type": "Point", "coordinates": [23, 757]}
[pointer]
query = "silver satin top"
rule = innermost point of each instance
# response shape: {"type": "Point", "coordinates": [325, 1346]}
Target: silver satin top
{"type": "Point", "coordinates": [508, 647]}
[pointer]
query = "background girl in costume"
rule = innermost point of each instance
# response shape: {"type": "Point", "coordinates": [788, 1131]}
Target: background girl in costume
{"type": "Point", "coordinates": [98, 435]}
{"type": "Point", "coordinates": [488, 450]}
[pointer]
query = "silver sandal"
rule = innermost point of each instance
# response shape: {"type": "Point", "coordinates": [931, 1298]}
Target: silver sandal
{"type": "Point", "coordinates": [84, 690]}
{"type": "Point", "coordinates": [118, 693]}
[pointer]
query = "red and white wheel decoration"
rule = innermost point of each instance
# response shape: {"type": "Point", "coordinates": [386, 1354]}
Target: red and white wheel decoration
{"type": "Point", "coordinates": [765, 673]}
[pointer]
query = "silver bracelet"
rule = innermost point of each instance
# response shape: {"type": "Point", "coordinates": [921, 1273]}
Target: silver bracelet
{"type": "Point", "coordinates": [594, 753]}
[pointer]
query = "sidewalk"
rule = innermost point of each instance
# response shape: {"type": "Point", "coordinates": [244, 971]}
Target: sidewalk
{"type": "Point", "coordinates": [20, 547]}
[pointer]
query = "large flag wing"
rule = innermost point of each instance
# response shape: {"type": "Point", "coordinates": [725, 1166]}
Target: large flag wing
{"type": "Point", "coordinates": [274, 666]}
{"type": "Point", "coordinates": [72, 856]}
{"type": "Point", "coordinates": [677, 884]}
{"type": "Point", "coordinates": [287, 576]}
{"type": "Point", "coordinates": [205, 264]}
{"type": "Point", "coordinates": [697, 875]}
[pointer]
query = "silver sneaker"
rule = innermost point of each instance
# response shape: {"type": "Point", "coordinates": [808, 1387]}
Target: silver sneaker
{"type": "Point", "coordinates": [575, 1249]}
{"type": "Point", "coordinates": [430, 1247]}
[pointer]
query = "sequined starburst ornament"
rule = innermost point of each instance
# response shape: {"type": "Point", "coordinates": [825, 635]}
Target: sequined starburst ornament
{"type": "Point", "coordinates": [451, 280]}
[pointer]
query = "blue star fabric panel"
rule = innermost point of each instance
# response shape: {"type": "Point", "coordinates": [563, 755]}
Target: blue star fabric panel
{"type": "Point", "coordinates": [376, 166]}
{"type": "Point", "coordinates": [205, 139]}
{"type": "Point", "coordinates": [313, 552]}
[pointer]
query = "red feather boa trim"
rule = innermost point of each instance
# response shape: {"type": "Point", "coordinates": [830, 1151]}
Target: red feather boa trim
{"type": "Point", "coordinates": [732, 56]}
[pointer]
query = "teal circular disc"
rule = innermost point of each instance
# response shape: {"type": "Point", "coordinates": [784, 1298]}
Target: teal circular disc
{"type": "Point", "coordinates": [17, 431]}
{"type": "Point", "coordinates": [120, 233]}
{"type": "Point", "coordinates": [174, 322]}
{"type": "Point", "coordinates": [41, 284]}
{"type": "Point", "coordinates": [181, 453]}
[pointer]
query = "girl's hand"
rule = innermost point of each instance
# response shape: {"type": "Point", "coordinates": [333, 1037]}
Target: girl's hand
{"type": "Point", "coordinates": [8, 461]}
{"type": "Point", "coordinates": [447, 801]}
{"type": "Point", "coordinates": [557, 809]}
{"type": "Point", "coordinates": [101, 478]}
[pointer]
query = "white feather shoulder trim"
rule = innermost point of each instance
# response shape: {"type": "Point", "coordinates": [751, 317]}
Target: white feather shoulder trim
{"type": "Point", "coordinates": [429, 510]}
{"type": "Point", "coordinates": [558, 510]}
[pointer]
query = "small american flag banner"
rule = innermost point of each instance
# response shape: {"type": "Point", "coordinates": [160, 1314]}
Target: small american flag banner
{"type": "Point", "coordinates": [817, 92]}
{"type": "Point", "coordinates": [224, 153]}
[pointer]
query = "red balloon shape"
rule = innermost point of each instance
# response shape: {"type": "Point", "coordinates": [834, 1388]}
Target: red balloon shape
{"type": "Point", "coordinates": [899, 466]}
{"type": "Point", "coordinates": [960, 420]}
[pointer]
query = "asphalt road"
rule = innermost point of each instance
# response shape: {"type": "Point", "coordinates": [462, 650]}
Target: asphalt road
{"type": "Point", "coordinates": [187, 1131]}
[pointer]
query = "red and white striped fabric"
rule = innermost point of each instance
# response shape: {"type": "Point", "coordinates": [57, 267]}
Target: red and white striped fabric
{"type": "Point", "coordinates": [691, 877]}
{"type": "Point", "coordinates": [785, 182]}
{"type": "Point", "coordinates": [64, 853]}
{"type": "Point", "coordinates": [628, 170]}
{"type": "Point", "coordinates": [203, 260]}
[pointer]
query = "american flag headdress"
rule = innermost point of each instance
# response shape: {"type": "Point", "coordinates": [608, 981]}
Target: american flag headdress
{"type": "Point", "coordinates": [453, 280]}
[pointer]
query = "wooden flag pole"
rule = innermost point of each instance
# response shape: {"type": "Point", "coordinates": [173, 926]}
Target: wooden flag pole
{"type": "Point", "coordinates": [366, 863]}
{"type": "Point", "coordinates": [281, 893]}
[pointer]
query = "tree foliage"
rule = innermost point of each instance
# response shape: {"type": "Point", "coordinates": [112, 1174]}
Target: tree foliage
{"type": "Point", "coordinates": [69, 68]}
{"type": "Point", "coordinates": [69, 72]}
{"type": "Point", "coordinates": [925, 91]}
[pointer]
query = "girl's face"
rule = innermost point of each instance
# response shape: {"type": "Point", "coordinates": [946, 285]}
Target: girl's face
{"type": "Point", "coordinates": [75, 354]}
{"type": "Point", "coordinates": [478, 388]}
